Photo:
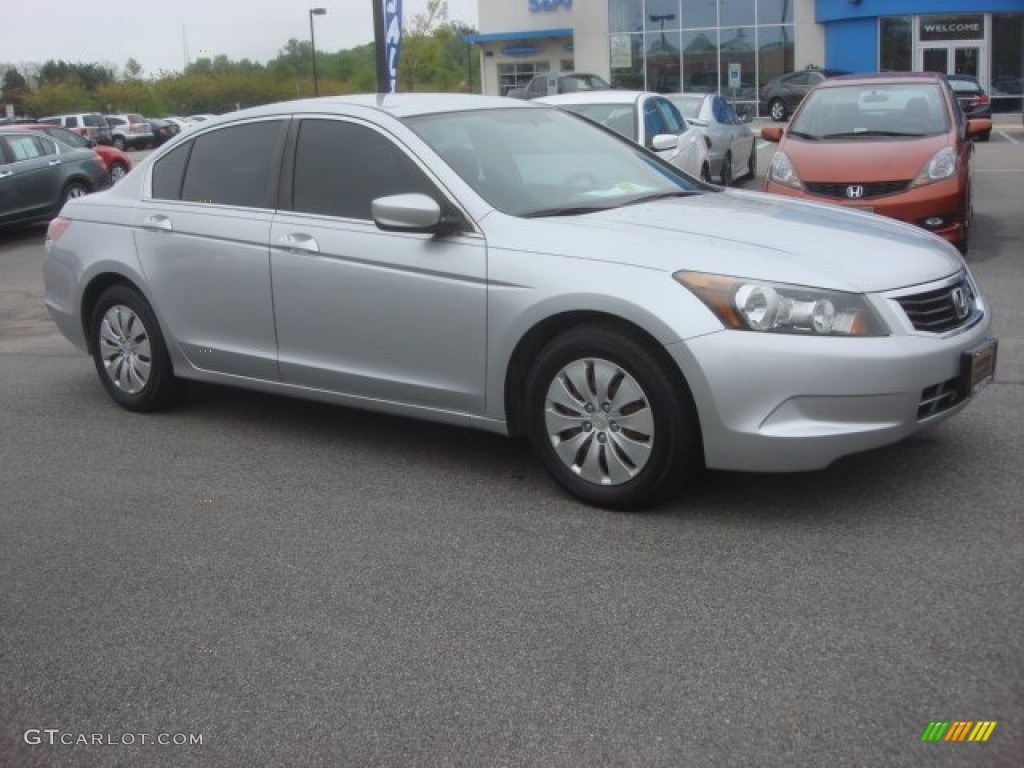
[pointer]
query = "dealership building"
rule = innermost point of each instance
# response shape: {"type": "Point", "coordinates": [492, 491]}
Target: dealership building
{"type": "Point", "coordinates": [736, 46]}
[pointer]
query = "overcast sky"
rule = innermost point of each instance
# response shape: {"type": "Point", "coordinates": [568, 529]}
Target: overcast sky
{"type": "Point", "coordinates": [155, 32]}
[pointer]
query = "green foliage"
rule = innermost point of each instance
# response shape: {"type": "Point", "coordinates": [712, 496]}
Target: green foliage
{"type": "Point", "coordinates": [434, 58]}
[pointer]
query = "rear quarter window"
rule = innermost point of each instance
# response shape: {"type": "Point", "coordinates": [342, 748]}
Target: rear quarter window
{"type": "Point", "coordinates": [232, 165]}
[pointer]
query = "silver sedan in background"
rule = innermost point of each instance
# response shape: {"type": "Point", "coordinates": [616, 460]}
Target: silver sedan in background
{"type": "Point", "coordinates": [732, 152]}
{"type": "Point", "coordinates": [506, 266]}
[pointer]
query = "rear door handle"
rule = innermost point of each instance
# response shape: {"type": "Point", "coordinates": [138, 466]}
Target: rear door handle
{"type": "Point", "coordinates": [297, 241]}
{"type": "Point", "coordinates": [157, 221]}
{"type": "Point", "coordinates": [54, 162]}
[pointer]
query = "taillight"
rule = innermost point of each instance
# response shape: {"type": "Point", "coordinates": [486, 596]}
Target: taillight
{"type": "Point", "coordinates": [57, 228]}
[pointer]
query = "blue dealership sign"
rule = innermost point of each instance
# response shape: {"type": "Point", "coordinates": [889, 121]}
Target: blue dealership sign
{"type": "Point", "coordinates": [542, 6]}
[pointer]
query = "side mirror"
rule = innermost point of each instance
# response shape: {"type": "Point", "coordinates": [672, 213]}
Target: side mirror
{"type": "Point", "coordinates": [664, 141]}
{"type": "Point", "coordinates": [772, 133]}
{"type": "Point", "coordinates": [414, 213]}
{"type": "Point", "coordinates": [976, 126]}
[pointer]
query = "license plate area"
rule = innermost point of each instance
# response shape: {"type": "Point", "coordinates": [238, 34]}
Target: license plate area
{"type": "Point", "coordinates": [978, 367]}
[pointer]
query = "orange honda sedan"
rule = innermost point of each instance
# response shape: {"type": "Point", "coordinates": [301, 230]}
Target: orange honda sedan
{"type": "Point", "coordinates": [896, 144]}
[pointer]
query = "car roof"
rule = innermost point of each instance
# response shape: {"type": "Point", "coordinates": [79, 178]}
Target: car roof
{"type": "Point", "coordinates": [875, 78]}
{"type": "Point", "coordinates": [597, 97]}
{"type": "Point", "coordinates": [399, 105]}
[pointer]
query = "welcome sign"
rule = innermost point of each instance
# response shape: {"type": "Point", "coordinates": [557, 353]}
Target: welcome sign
{"type": "Point", "coordinates": [952, 27]}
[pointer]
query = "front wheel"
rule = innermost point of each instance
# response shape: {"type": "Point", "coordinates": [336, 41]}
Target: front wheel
{"type": "Point", "coordinates": [777, 110]}
{"type": "Point", "coordinates": [129, 352]}
{"type": "Point", "coordinates": [752, 162]}
{"type": "Point", "coordinates": [611, 421]}
{"type": "Point", "coordinates": [117, 172]}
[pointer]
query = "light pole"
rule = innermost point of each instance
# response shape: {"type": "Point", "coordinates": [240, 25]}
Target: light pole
{"type": "Point", "coordinates": [312, 41]}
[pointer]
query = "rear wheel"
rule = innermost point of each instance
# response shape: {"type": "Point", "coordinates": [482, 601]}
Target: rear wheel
{"type": "Point", "coordinates": [74, 189]}
{"type": "Point", "coordinates": [777, 110]}
{"type": "Point", "coordinates": [727, 169]}
{"type": "Point", "coordinates": [611, 421]}
{"type": "Point", "coordinates": [119, 143]}
{"type": "Point", "coordinates": [129, 352]}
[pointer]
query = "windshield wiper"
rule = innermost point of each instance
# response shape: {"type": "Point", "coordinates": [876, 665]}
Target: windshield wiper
{"type": "Point", "coordinates": [858, 134]}
{"type": "Point", "coordinates": [659, 196]}
{"type": "Point", "coordinates": [802, 135]}
{"type": "Point", "coordinates": [578, 210]}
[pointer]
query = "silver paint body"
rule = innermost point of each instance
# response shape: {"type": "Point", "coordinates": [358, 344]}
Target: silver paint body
{"type": "Point", "coordinates": [425, 326]}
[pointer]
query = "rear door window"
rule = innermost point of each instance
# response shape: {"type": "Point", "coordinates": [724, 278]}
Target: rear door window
{"type": "Point", "coordinates": [232, 166]}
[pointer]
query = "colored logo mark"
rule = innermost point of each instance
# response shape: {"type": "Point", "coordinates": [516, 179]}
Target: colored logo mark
{"type": "Point", "coordinates": [958, 730]}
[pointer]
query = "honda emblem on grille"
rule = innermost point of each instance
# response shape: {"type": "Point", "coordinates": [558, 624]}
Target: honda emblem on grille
{"type": "Point", "coordinates": [855, 191]}
{"type": "Point", "coordinates": [960, 304]}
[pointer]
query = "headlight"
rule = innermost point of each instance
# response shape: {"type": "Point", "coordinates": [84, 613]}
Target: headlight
{"type": "Point", "coordinates": [756, 305]}
{"type": "Point", "coordinates": [783, 172]}
{"type": "Point", "coordinates": [943, 165]}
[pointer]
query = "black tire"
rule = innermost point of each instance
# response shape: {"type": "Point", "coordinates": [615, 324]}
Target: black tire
{"type": "Point", "coordinates": [73, 189]}
{"type": "Point", "coordinates": [777, 110]}
{"type": "Point", "coordinates": [129, 352]}
{"type": "Point", "coordinates": [705, 173]}
{"type": "Point", "coordinates": [119, 143]}
{"type": "Point", "coordinates": [985, 136]}
{"type": "Point", "coordinates": [727, 169]}
{"type": "Point", "coordinates": [633, 464]}
{"type": "Point", "coordinates": [752, 162]}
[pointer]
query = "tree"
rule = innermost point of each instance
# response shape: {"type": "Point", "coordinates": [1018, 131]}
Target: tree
{"type": "Point", "coordinates": [132, 70]}
{"type": "Point", "coordinates": [14, 89]}
{"type": "Point", "coordinates": [419, 49]}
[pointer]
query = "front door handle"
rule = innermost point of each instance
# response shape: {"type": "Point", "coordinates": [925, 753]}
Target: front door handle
{"type": "Point", "coordinates": [297, 241]}
{"type": "Point", "coordinates": [5, 174]}
{"type": "Point", "coordinates": [54, 162]}
{"type": "Point", "coordinates": [157, 221]}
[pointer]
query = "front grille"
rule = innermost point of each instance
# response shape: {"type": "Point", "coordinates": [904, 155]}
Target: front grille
{"type": "Point", "coordinates": [871, 188]}
{"type": "Point", "coordinates": [940, 310]}
{"type": "Point", "coordinates": [938, 398]}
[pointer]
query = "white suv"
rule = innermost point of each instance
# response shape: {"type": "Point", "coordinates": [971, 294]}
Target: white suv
{"type": "Point", "coordinates": [130, 131]}
{"type": "Point", "coordinates": [91, 125]}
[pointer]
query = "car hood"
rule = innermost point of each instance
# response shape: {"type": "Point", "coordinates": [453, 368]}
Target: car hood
{"type": "Point", "coordinates": [861, 160]}
{"type": "Point", "coordinates": [744, 234]}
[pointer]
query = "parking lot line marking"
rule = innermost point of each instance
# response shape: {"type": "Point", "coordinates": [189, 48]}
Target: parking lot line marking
{"type": "Point", "coordinates": [1008, 137]}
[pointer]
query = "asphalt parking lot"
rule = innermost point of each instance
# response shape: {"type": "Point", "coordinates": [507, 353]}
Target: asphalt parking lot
{"type": "Point", "coordinates": [303, 585]}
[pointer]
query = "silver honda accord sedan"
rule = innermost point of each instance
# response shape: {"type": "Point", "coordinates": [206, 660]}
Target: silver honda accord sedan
{"type": "Point", "coordinates": [512, 267]}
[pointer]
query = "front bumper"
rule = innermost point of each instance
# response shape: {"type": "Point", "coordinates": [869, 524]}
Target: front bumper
{"type": "Point", "coordinates": [944, 200]}
{"type": "Point", "coordinates": [782, 403]}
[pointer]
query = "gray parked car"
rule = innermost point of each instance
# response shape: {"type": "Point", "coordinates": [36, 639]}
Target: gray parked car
{"type": "Point", "coordinates": [38, 175]}
{"type": "Point", "coordinates": [732, 151]}
{"type": "Point", "coordinates": [495, 264]}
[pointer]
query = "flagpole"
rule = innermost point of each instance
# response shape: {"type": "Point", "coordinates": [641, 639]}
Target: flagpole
{"type": "Point", "coordinates": [380, 46]}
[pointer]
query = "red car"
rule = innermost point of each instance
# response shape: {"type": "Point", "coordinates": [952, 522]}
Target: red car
{"type": "Point", "coordinates": [114, 160]}
{"type": "Point", "coordinates": [896, 144]}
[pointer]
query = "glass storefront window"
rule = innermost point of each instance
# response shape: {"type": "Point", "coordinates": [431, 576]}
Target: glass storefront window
{"type": "Point", "coordinates": [774, 53]}
{"type": "Point", "coordinates": [896, 43]}
{"type": "Point", "coordinates": [1007, 60]}
{"type": "Point", "coordinates": [737, 47]}
{"type": "Point", "coordinates": [662, 56]}
{"type": "Point", "coordinates": [626, 56]}
{"type": "Point", "coordinates": [700, 61]}
{"type": "Point", "coordinates": [516, 74]}
{"type": "Point", "coordinates": [625, 16]}
{"type": "Point", "coordinates": [662, 14]}
{"type": "Point", "coordinates": [775, 11]}
{"type": "Point", "coordinates": [736, 13]}
{"type": "Point", "coordinates": [700, 13]}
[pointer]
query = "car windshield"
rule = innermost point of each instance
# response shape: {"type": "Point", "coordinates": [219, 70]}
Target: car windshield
{"type": "Point", "coordinates": [870, 110]}
{"type": "Point", "coordinates": [546, 162]}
